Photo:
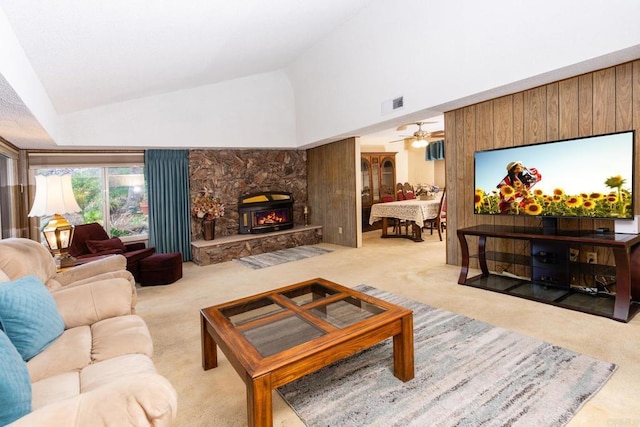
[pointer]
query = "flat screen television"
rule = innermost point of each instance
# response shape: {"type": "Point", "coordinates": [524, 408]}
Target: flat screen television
{"type": "Point", "coordinates": [589, 177]}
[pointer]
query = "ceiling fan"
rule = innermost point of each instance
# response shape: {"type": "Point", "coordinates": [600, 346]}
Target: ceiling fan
{"type": "Point", "coordinates": [420, 138]}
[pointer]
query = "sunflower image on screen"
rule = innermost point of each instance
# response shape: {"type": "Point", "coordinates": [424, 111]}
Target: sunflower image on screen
{"type": "Point", "coordinates": [586, 177]}
{"type": "Point", "coordinates": [514, 189]}
{"type": "Point", "coordinates": [514, 195]}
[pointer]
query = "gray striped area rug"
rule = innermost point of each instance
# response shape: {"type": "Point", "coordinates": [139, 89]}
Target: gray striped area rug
{"type": "Point", "coordinates": [467, 373]}
{"type": "Point", "coordinates": [279, 257]}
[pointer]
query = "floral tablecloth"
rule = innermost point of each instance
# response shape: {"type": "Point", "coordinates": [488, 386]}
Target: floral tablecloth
{"type": "Point", "coordinates": [409, 210]}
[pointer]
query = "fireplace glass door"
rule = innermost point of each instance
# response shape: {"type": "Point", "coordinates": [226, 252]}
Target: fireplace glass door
{"type": "Point", "coordinates": [272, 217]}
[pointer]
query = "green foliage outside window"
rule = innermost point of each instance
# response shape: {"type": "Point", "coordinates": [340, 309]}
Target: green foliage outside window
{"type": "Point", "coordinates": [87, 188]}
{"type": "Point", "coordinates": [125, 213]}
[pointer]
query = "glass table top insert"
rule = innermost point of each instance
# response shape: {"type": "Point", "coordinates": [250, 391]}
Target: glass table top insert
{"type": "Point", "coordinates": [274, 324]}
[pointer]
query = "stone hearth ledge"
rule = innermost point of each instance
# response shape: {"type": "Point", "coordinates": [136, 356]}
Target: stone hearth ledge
{"type": "Point", "coordinates": [227, 248]}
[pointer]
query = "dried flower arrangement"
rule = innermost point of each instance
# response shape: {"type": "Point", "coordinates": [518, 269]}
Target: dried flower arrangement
{"type": "Point", "coordinates": [206, 207]}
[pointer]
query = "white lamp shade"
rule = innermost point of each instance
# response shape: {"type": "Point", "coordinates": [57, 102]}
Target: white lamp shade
{"type": "Point", "coordinates": [54, 195]}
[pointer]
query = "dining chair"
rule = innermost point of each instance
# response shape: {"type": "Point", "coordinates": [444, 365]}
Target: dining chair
{"type": "Point", "coordinates": [409, 194]}
{"type": "Point", "coordinates": [399, 191]}
{"type": "Point", "coordinates": [443, 212]}
{"type": "Point", "coordinates": [437, 221]}
{"type": "Point", "coordinates": [402, 195]}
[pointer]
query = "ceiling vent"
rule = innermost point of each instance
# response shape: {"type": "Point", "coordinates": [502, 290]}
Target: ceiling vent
{"type": "Point", "coordinates": [392, 105]}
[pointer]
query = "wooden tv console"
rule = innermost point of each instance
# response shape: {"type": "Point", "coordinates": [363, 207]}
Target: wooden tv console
{"type": "Point", "coordinates": [551, 268]}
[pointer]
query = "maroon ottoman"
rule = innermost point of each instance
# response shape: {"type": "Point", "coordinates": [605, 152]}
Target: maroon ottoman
{"type": "Point", "coordinates": [160, 269]}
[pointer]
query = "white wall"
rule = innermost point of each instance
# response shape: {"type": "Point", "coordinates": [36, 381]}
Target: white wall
{"type": "Point", "coordinates": [440, 54]}
{"type": "Point", "coordinates": [251, 112]}
{"type": "Point", "coordinates": [421, 171]}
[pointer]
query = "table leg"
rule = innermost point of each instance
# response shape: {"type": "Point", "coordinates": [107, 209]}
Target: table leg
{"type": "Point", "coordinates": [623, 285]}
{"type": "Point", "coordinates": [464, 249]}
{"type": "Point", "coordinates": [259, 403]}
{"type": "Point", "coordinates": [385, 224]}
{"type": "Point", "coordinates": [416, 232]}
{"type": "Point", "coordinates": [403, 366]}
{"type": "Point", "coordinates": [209, 347]}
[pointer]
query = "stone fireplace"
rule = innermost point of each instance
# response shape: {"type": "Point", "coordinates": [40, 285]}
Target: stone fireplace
{"type": "Point", "coordinates": [265, 212]}
{"type": "Point", "coordinates": [232, 173]}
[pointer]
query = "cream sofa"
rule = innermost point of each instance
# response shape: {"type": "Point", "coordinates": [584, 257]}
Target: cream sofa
{"type": "Point", "coordinates": [19, 257]}
{"type": "Point", "coordinates": [99, 371]}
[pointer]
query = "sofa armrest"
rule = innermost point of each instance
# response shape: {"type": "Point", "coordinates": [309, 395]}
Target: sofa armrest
{"type": "Point", "coordinates": [110, 267]}
{"type": "Point", "coordinates": [137, 400]}
{"type": "Point", "coordinates": [93, 268]}
{"type": "Point", "coordinates": [136, 246]}
{"type": "Point", "coordinates": [88, 303]}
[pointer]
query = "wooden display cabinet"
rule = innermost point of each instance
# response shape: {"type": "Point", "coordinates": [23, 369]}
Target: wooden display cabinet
{"type": "Point", "coordinates": [378, 172]}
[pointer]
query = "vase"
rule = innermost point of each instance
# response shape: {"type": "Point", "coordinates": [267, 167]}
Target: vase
{"type": "Point", "coordinates": [209, 229]}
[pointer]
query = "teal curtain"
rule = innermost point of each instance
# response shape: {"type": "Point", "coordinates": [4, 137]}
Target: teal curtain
{"type": "Point", "coordinates": [167, 177]}
{"type": "Point", "coordinates": [435, 150]}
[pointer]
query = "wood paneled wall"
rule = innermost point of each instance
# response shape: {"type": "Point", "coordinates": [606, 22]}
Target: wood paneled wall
{"type": "Point", "coordinates": [600, 102]}
{"type": "Point", "coordinates": [332, 171]}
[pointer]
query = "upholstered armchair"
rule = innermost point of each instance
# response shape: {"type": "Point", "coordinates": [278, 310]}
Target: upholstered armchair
{"type": "Point", "coordinates": [91, 241]}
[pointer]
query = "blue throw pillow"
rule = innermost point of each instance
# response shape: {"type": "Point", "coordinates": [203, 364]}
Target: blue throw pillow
{"type": "Point", "coordinates": [15, 386]}
{"type": "Point", "coordinates": [29, 316]}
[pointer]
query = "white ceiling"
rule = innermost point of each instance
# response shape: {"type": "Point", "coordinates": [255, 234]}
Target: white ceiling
{"type": "Point", "coordinates": [89, 53]}
{"type": "Point", "coordinates": [89, 70]}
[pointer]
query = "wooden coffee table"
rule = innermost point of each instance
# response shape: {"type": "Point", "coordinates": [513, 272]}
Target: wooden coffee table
{"type": "Point", "coordinates": [278, 336]}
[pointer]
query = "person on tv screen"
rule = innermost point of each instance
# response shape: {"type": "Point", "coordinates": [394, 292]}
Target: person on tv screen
{"type": "Point", "coordinates": [514, 188]}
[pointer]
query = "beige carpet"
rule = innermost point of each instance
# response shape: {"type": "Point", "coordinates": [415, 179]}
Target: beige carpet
{"type": "Point", "coordinates": [414, 270]}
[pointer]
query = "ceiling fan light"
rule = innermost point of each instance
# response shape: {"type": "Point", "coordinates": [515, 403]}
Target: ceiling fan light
{"type": "Point", "coordinates": [419, 143]}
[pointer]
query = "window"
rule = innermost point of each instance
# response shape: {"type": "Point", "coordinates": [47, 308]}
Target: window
{"type": "Point", "coordinates": [114, 197]}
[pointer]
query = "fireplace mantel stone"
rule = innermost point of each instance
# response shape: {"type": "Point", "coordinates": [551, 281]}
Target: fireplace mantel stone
{"type": "Point", "coordinates": [233, 173]}
{"type": "Point", "coordinates": [227, 248]}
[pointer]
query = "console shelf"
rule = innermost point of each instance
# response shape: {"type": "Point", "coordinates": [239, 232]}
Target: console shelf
{"type": "Point", "coordinates": [550, 268]}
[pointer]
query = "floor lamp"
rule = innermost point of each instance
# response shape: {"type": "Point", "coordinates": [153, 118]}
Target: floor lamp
{"type": "Point", "coordinates": [54, 196]}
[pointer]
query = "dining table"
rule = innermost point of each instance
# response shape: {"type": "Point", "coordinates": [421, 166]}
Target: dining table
{"type": "Point", "coordinates": [415, 211]}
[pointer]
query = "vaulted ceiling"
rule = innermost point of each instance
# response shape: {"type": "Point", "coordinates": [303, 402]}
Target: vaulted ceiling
{"type": "Point", "coordinates": [91, 53]}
